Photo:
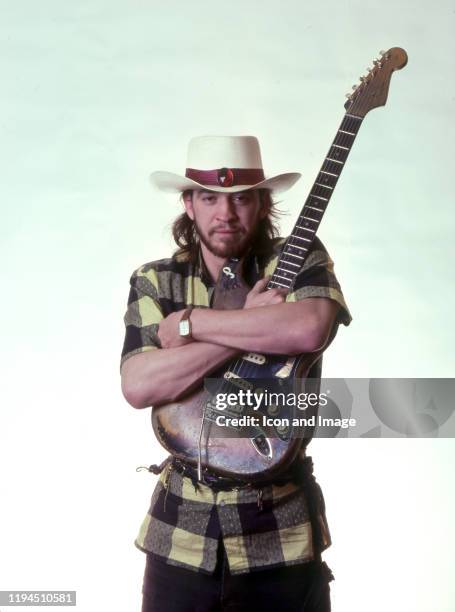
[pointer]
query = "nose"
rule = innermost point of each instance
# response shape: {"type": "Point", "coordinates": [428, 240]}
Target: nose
{"type": "Point", "coordinates": [225, 210]}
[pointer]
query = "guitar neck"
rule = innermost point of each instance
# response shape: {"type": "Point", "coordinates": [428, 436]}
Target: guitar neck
{"type": "Point", "coordinates": [297, 246]}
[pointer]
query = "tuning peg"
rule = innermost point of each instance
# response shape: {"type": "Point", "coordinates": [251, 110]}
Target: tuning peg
{"type": "Point", "coordinates": [354, 87]}
{"type": "Point", "coordinates": [348, 95]}
{"type": "Point", "coordinates": [381, 53]}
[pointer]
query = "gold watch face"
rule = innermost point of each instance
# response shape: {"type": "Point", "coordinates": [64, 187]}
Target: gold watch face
{"type": "Point", "coordinates": [184, 328]}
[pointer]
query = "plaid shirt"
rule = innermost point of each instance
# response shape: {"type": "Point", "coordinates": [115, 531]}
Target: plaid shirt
{"type": "Point", "coordinates": [274, 526]}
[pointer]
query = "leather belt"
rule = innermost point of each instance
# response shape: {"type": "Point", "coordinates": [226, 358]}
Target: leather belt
{"type": "Point", "coordinates": [209, 478]}
{"type": "Point", "coordinates": [223, 483]}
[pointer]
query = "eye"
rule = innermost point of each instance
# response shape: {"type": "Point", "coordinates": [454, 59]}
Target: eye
{"type": "Point", "coordinates": [208, 198]}
{"type": "Point", "coordinates": [241, 199]}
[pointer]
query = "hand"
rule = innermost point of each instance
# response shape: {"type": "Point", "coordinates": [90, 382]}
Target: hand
{"type": "Point", "coordinates": [168, 331]}
{"type": "Point", "coordinates": [258, 296]}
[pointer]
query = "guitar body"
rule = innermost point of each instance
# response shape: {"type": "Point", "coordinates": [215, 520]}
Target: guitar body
{"type": "Point", "coordinates": [268, 449]}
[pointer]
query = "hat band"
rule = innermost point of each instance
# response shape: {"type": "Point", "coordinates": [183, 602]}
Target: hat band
{"type": "Point", "coordinates": [226, 177]}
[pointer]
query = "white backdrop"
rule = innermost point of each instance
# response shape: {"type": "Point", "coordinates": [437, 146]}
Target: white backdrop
{"type": "Point", "coordinates": [95, 95]}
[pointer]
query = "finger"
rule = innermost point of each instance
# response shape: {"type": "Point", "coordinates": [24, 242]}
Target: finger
{"type": "Point", "coordinates": [260, 286]}
{"type": "Point", "coordinates": [278, 298]}
{"type": "Point", "coordinates": [278, 291]}
{"type": "Point", "coordinates": [281, 289]}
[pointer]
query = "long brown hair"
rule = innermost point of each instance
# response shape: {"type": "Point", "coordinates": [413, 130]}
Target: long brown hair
{"type": "Point", "coordinates": [187, 239]}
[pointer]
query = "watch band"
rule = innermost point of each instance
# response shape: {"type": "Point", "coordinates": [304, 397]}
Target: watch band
{"type": "Point", "coordinates": [185, 323]}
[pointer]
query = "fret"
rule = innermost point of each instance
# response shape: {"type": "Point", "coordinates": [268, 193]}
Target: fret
{"type": "Point", "coordinates": [344, 140]}
{"type": "Point", "coordinates": [337, 161]}
{"type": "Point", "coordinates": [301, 238]}
{"type": "Point", "coordinates": [326, 186]}
{"type": "Point", "coordinates": [277, 283]}
{"type": "Point", "coordinates": [289, 263]}
{"type": "Point", "coordinates": [340, 147]}
{"type": "Point", "coordinates": [332, 166]}
{"type": "Point", "coordinates": [311, 219]}
{"type": "Point", "coordinates": [279, 275]}
{"type": "Point", "coordinates": [337, 154]}
{"type": "Point", "coordinates": [300, 249]}
{"type": "Point", "coordinates": [318, 191]}
{"type": "Point", "coordinates": [353, 116]}
{"type": "Point", "coordinates": [306, 229]}
{"type": "Point", "coordinates": [331, 173]}
{"type": "Point", "coordinates": [328, 180]}
{"type": "Point", "coordinates": [319, 198]}
{"type": "Point", "coordinates": [314, 208]}
{"type": "Point", "coordinates": [350, 133]}
{"type": "Point", "coordinates": [286, 270]}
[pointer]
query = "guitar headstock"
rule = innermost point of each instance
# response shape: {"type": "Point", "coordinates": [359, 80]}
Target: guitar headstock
{"type": "Point", "coordinates": [374, 87]}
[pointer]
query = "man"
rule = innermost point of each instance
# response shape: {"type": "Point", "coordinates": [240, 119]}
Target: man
{"type": "Point", "coordinates": [222, 544]}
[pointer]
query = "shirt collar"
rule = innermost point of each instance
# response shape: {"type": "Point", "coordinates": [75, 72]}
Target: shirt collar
{"type": "Point", "coordinates": [251, 270]}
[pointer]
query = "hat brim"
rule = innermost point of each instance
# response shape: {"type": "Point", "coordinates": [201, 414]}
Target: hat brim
{"type": "Point", "coordinates": [174, 183]}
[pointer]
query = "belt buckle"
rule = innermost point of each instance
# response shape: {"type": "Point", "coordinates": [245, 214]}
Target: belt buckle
{"type": "Point", "coordinates": [211, 479]}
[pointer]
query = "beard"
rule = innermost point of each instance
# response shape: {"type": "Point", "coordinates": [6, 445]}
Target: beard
{"type": "Point", "coordinates": [227, 245]}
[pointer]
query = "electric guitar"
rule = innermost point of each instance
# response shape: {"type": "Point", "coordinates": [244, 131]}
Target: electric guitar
{"type": "Point", "coordinates": [191, 429]}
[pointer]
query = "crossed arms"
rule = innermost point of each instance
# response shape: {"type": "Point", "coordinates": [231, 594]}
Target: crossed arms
{"type": "Point", "coordinates": [266, 324]}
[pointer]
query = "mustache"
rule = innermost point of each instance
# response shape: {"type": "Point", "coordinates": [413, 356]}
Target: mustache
{"type": "Point", "coordinates": [232, 228]}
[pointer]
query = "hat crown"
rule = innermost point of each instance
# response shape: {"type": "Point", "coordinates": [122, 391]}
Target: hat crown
{"type": "Point", "coordinates": [210, 152]}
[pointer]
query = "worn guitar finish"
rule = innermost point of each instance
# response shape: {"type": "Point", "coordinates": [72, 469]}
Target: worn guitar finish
{"type": "Point", "coordinates": [268, 451]}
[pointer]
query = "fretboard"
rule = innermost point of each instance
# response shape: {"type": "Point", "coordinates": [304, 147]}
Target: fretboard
{"type": "Point", "coordinates": [297, 246]}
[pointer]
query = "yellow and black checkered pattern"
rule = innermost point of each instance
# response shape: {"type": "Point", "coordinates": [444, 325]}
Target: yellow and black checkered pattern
{"type": "Point", "coordinates": [184, 521]}
{"type": "Point", "coordinates": [168, 285]}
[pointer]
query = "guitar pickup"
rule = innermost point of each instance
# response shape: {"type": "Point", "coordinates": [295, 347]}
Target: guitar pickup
{"type": "Point", "coordinates": [237, 381]}
{"type": "Point", "coordinates": [254, 358]}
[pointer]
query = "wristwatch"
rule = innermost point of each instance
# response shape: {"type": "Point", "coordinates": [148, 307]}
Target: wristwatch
{"type": "Point", "coordinates": [185, 323]}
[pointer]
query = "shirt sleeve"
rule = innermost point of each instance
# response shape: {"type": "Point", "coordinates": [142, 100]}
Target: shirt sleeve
{"type": "Point", "coordinates": [143, 314]}
{"type": "Point", "coordinates": [317, 279]}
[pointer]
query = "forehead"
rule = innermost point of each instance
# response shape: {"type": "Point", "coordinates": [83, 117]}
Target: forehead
{"type": "Point", "coordinates": [250, 192]}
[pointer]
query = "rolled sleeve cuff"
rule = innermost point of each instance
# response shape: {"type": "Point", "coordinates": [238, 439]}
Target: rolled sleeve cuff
{"type": "Point", "coordinates": [343, 316]}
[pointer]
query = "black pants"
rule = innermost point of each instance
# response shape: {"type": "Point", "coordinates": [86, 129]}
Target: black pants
{"type": "Point", "coordinates": [298, 588]}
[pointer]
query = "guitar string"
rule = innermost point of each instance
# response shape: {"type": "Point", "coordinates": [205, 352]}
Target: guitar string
{"type": "Point", "coordinates": [348, 124]}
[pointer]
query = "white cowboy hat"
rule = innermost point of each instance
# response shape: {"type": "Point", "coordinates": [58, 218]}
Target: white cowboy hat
{"type": "Point", "coordinates": [223, 163]}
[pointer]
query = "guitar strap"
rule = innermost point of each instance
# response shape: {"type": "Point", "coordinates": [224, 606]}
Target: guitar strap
{"type": "Point", "coordinates": [229, 293]}
{"type": "Point", "coordinates": [230, 290]}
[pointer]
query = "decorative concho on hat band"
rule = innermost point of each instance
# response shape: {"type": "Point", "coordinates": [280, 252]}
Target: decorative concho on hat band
{"type": "Point", "coordinates": [226, 177]}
